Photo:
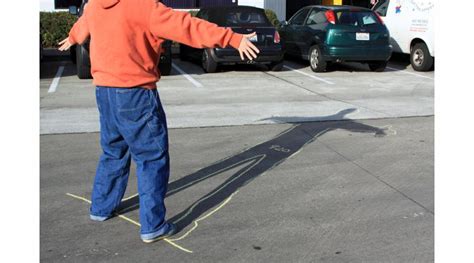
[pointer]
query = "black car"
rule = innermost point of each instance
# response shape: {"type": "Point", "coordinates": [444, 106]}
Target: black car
{"type": "Point", "coordinates": [80, 53]}
{"type": "Point", "coordinates": [326, 34]}
{"type": "Point", "coordinates": [244, 20]}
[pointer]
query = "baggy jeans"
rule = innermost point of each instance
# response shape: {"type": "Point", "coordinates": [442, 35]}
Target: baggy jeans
{"type": "Point", "coordinates": [132, 125]}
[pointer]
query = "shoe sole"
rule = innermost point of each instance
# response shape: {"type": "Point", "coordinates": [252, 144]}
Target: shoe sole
{"type": "Point", "coordinates": [149, 241]}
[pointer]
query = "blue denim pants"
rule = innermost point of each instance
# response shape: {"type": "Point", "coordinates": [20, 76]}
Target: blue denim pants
{"type": "Point", "coordinates": [132, 125]}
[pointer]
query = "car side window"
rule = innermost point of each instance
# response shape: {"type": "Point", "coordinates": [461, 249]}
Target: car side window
{"type": "Point", "coordinates": [316, 17]}
{"type": "Point", "coordinates": [381, 7]}
{"type": "Point", "coordinates": [299, 18]}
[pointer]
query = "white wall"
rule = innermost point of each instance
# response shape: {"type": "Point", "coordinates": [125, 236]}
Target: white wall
{"type": "Point", "coordinates": [278, 6]}
{"type": "Point", "coordinates": [46, 5]}
{"type": "Point", "coordinates": [256, 3]}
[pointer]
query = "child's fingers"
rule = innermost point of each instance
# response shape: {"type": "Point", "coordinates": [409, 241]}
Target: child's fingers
{"type": "Point", "coordinates": [241, 55]}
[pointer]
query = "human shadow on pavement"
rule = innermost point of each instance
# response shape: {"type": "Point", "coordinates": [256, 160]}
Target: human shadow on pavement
{"type": "Point", "coordinates": [255, 161]}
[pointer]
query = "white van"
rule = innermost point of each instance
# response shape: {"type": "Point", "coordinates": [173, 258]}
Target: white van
{"type": "Point", "coordinates": [411, 26]}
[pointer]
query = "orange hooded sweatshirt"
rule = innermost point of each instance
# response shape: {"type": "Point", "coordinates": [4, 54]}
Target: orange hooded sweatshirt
{"type": "Point", "coordinates": [126, 38]}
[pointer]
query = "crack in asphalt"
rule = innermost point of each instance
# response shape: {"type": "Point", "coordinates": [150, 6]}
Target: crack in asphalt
{"type": "Point", "coordinates": [378, 178]}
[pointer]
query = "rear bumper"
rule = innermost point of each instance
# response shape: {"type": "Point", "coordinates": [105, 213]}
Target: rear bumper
{"type": "Point", "coordinates": [361, 53]}
{"type": "Point", "coordinates": [230, 55]}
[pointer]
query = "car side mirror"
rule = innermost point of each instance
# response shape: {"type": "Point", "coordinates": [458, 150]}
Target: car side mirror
{"type": "Point", "coordinates": [73, 10]}
{"type": "Point", "coordinates": [284, 23]}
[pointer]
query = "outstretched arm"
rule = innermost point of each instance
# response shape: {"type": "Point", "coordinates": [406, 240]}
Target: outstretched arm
{"type": "Point", "coordinates": [181, 27]}
{"type": "Point", "coordinates": [78, 33]}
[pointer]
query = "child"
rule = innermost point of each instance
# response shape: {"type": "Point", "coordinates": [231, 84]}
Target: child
{"type": "Point", "coordinates": [126, 36]}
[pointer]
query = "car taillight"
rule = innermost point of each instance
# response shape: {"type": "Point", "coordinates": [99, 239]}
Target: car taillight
{"type": "Point", "coordinates": [330, 16]}
{"type": "Point", "coordinates": [276, 38]}
{"type": "Point", "coordinates": [380, 18]}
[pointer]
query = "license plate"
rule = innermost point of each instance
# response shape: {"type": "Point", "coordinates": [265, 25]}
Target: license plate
{"type": "Point", "coordinates": [254, 38]}
{"type": "Point", "coordinates": [363, 36]}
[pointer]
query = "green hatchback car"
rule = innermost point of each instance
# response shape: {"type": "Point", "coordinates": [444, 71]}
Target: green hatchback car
{"type": "Point", "coordinates": [327, 34]}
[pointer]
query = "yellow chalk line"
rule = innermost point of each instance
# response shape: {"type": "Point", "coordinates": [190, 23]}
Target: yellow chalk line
{"type": "Point", "coordinates": [262, 157]}
{"type": "Point", "coordinates": [212, 174]}
{"type": "Point", "coordinates": [133, 222]}
{"type": "Point", "coordinates": [204, 217]}
{"type": "Point", "coordinates": [223, 186]}
{"type": "Point", "coordinates": [390, 129]}
{"type": "Point", "coordinates": [79, 197]}
{"type": "Point", "coordinates": [170, 241]}
{"type": "Point", "coordinates": [217, 172]}
{"type": "Point", "coordinates": [227, 158]}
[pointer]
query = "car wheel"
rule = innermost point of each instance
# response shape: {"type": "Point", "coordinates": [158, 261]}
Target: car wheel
{"type": "Point", "coordinates": [276, 66]}
{"type": "Point", "coordinates": [165, 63]}
{"type": "Point", "coordinates": [316, 60]}
{"type": "Point", "coordinates": [72, 54]}
{"type": "Point", "coordinates": [378, 66]}
{"type": "Point", "coordinates": [82, 62]}
{"type": "Point", "coordinates": [330, 66]}
{"type": "Point", "coordinates": [208, 63]}
{"type": "Point", "coordinates": [165, 68]}
{"type": "Point", "coordinates": [182, 53]}
{"type": "Point", "coordinates": [420, 57]}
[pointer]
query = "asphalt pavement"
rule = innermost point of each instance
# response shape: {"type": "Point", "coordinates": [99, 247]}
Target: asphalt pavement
{"type": "Point", "coordinates": [265, 167]}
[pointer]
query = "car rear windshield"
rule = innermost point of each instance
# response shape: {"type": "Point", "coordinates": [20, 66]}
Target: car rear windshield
{"type": "Point", "coordinates": [356, 18]}
{"type": "Point", "coordinates": [241, 17]}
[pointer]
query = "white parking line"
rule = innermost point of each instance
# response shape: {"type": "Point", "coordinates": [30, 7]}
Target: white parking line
{"type": "Point", "coordinates": [309, 75]}
{"type": "Point", "coordinates": [54, 84]}
{"type": "Point", "coordinates": [196, 83]}
{"type": "Point", "coordinates": [408, 72]}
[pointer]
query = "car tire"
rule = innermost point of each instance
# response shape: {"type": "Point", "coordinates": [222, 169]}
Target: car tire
{"type": "Point", "coordinates": [82, 62]}
{"type": "Point", "coordinates": [330, 66]}
{"type": "Point", "coordinates": [420, 57]}
{"type": "Point", "coordinates": [182, 53]}
{"type": "Point", "coordinates": [165, 68]}
{"type": "Point", "coordinates": [208, 63]}
{"type": "Point", "coordinates": [316, 61]}
{"type": "Point", "coordinates": [165, 65]}
{"type": "Point", "coordinates": [72, 54]}
{"type": "Point", "coordinates": [276, 66]}
{"type": "Point", "coordinates": [378, 66]}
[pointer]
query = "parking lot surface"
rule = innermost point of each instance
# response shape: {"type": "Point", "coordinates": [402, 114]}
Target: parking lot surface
{"type": "Point", "coordinates": [246, 95]}
{"type": "Point", "coordinates": [287, 166]}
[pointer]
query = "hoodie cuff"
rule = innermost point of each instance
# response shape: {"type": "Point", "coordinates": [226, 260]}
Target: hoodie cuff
{"type": "Point", "coordinates": [235, 40]}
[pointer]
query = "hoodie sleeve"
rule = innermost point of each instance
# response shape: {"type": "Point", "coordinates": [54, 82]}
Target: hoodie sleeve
{"type": "Point", "coordinates": [183, 28]}
{"type": "Point", "coordinates": [80, 30]}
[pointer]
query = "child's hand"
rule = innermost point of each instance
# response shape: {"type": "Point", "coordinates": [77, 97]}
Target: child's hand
{"type": "Point", "coordinates": [65, 44]}
{"type": "Point", "coordinates": [248, 48]}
